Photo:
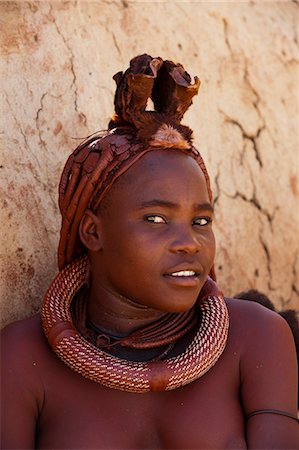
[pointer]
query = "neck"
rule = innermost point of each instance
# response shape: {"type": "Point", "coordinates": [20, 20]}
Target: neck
{"type": "Point", "coordinates": [116, 314]}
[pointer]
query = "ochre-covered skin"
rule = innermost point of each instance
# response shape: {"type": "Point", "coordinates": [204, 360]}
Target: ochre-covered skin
{"type": "Point", "coordinates": [155, 223]}
{"type": "Point", "coordinates": [75, 413]}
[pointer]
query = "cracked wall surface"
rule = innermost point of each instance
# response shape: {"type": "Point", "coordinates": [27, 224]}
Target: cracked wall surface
{"type": "Point", "coordinates": [57, 63]}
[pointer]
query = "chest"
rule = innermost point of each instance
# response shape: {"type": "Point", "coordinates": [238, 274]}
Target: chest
{"type": "Point", "coordinates": [204, 414]}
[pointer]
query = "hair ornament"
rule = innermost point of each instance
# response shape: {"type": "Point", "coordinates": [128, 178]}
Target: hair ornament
{"type": "Point", "coordinates": [169, 87]}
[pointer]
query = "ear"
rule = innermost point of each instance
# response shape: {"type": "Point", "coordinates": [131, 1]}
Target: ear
{"type": "Point", "coordinates": [89, 231]}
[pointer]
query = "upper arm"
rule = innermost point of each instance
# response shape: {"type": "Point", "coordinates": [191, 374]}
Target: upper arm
{"type": "Point", "coordinates": [19, 392]}
{"type": "Point", "coordinates": [269, 380]}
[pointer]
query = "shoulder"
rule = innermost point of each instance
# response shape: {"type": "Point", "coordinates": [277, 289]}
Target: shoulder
{"type": "Point", "coordinates": [268, 363]}
{"type": "Point", "coordinates": [254, 323]}
{"type": "Point", "coordinates": [22, 334]}
{"type": "Point", "coordinates": [250, 309]}
{"type": "Point", "coordinates": [23, 351]}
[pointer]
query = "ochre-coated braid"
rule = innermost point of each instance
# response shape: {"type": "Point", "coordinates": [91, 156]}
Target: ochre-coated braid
{"type": "Point", "coordinates": [96, 365]}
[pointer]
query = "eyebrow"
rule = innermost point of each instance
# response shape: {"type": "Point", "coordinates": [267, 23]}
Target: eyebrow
{"type": "Point", "coordinates": [172, 205]}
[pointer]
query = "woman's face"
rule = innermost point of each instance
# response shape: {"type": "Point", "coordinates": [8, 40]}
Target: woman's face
{"type": "Point", "coordinates": [156, 233]}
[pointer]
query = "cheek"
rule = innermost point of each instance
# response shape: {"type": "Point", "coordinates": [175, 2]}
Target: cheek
{"type": "Point", "coordinates": [124, 246]}
{"type": "Point", "coordinates": [210, 246]}
{"type": "Point", "coordinates": [129, 238]}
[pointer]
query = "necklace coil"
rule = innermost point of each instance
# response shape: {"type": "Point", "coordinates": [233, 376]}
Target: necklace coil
{"type": "Point", "coordinates": [94, 364]}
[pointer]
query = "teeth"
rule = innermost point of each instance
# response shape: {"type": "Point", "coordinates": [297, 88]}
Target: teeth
{"type": "Point", "coordinates": [183, 273]}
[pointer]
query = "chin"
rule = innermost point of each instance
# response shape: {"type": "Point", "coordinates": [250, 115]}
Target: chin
{"type": "Point", "coordinates": [179, 306]}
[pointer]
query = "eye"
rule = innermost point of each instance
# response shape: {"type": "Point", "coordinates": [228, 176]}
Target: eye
{"type": "Point", "coordinates": [155, 219]}
{"type": "Point", "coordinates": [202, 221]}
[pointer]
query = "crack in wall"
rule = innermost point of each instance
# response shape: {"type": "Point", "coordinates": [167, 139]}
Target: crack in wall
{"type": "Point", "coordinates": [45, 187]}
{"type": "Point", "coordinates": [116, 44]}
{"type": "Point", "coordinates": [122, 3]}
{"type": "Point", "coordinates": [37, 119]}
{"type": "Point", "coordinates": [114, 40]}
{"type": "Point", "coordinates": [257, 101]}
{"type": "Point", "coordinates": [252, 138]}
{"type": "Point", "coordinates": [295, 289]}
{"type": "Point", "coordinates": [35, 173]}
{"type": "Point", "coordinates": [217, 184]}
{"type": "Point", "coordinates": [268, 262]}
{"type": "Point", "coordinates": [28, 88]}
{"type": "Point", "coordinates": [226, 38]}
{"type": "Point", "coordinates": [72, 58]}
{"type": "Point", "coordinates": [246, 76]}
{"type": "Point", "coordinates": [16, 121]}
{"type": "Point", "coordinates": [254, 201]}
{"type": "Point", "coordinates": [285, 303]}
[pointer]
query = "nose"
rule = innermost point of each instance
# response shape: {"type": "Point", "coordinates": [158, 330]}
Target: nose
{"type": "Point", "coordinates": [185, 241]}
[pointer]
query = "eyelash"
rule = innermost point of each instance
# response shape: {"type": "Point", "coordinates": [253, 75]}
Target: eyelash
{"type": "Point", "coordinates": [151, 219]}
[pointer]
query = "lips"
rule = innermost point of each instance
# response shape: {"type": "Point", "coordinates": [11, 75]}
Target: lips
{"type": "Point", "coordinates": [187, 275]}
{"type": "Point", "coordinates": [186, 268]}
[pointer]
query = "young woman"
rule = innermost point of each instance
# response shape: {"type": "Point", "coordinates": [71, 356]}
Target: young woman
{"type": "Point", "coordinates": [135, 347]}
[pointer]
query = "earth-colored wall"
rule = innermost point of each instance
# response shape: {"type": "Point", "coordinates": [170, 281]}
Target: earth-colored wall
{"type": "Point", "coordinates": [57, 62]}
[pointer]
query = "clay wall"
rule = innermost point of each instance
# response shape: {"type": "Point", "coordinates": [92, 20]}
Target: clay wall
{"type": "Point", "coordinates": [57, 63]}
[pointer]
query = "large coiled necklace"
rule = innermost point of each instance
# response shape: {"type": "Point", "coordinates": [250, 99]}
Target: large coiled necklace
{"type": "Point", "coordinates": [131, 376]}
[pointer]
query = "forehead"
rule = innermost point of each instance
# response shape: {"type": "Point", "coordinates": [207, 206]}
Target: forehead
{"type": "Point", "coordinates": [160, 174]}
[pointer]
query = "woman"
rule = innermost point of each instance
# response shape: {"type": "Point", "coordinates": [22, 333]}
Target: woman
{"type": "Point", "coordinates": [136, 346]}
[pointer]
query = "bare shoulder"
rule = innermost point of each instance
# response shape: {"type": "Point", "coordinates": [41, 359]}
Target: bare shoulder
{"type": "Point", "coordinates": [25, 335]}
{"type": "Point", "coordinates": [32, 324]}
{"type": "Point", "coordinates": [24, 351]}
{"type": "Point", "coordinates": [268, 363]}
{"type": "Point", "coordinates": [253, 324]}
{"type": "Point", "coordinates": [23, 355]}
{"type": "Point", "coordinates": [255, 317]}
